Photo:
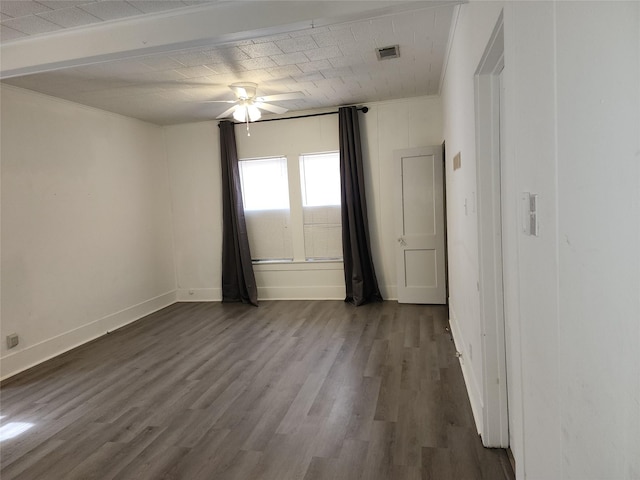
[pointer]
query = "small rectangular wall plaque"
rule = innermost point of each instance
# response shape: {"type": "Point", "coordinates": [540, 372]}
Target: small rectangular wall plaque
{"type": "Point", "coordinates": [457, 163]}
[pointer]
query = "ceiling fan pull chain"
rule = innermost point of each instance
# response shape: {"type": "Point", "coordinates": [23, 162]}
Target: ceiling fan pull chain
{"type": "Point", "coordinates": [248, 132]}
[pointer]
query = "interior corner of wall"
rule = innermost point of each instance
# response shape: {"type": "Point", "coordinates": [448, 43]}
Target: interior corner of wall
{"type": "Point", "coordinates": [26, 358]}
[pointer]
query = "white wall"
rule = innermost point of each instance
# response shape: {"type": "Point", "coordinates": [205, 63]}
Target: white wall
{"type": "Point", "coordinates": [474, 27]}
{"type": "Point", "coordinates": [391, 126]}
{"type": "Point", "coordinates": [193, 154]}
{"type": "Point", "coordinates": [572, 295]}
{"type": "Point", "coordinates": [194, 160]}
{"type": "Point", "coordinates": [598, 165]}
{"type": "Point", "coordinates": [531, 295]}
{"type": "Point", "coordinates": [86, 225]}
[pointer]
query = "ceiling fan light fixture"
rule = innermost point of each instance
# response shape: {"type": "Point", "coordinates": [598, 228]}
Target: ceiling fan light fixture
{"type": "Point", "coordinates": [244, 111]}
{"type": "Point", "coordinates": [240, 113]}
{"type": "Point", "coordinates": [247, 107]}
{"type": "Point", "coordinates": [254, 113]}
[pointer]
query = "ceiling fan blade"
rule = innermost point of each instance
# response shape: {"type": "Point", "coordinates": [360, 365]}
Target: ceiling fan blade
{"type": "Point", "coordinates": [226, 113]}
{"type": "Point", "coordinates": [281, 96]}
{"type": "Point", "coordinates": [218, 101]}
{"type": "Point", "coordinates": [271, 108]}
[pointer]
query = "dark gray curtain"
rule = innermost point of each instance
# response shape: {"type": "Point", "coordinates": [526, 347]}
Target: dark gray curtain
{"type": "Point", "coordinates": [238, 281]}
{"type": "Point", "coordinates": [359, 273]}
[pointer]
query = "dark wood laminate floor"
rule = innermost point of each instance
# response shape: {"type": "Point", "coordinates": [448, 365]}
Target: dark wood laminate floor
{"type": "Point", "coordinates": [289, 390]}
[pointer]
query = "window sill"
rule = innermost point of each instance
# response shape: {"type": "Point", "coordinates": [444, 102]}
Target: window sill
{"type": "Point", "coordinates": [291, 266]}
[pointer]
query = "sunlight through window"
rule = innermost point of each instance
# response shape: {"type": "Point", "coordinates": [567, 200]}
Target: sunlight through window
{"type": "Point", "coordinates": [322, 221]}
{"type": "Point", "coordinates": [13, 429]}
{"type": "Point", "coordinates": [265, 194]}
{"type": "Point", "coordinates": [320, 178]}
{"type": "Point", "coordinates": [265, 185]}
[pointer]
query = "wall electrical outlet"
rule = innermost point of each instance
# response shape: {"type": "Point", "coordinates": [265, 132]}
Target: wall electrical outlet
{"type": "Point", "coordinates": [12, 340]}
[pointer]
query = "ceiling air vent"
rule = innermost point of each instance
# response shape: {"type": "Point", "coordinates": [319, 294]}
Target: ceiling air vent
{"type": "Point", "coordinates": [388, 52]}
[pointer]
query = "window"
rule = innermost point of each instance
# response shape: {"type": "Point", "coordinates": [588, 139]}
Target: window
{"type": "Point", "coordinates": [320, 178]}
{"type": "Point", "coordinates": [322, 223]}
{"type": "Point", "coordinates": [289, 220]}
{"type": "Point", "coordinates": [264, 183]}
{"type": "Point", "coordinates": [265, 195]}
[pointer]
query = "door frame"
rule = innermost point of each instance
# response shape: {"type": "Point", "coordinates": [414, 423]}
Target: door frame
{"type": "Point", "coordinates": [495, 421]}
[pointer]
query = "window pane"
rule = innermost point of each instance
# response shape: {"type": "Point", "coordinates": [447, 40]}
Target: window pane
{"type": "Point", "coordinates": [265, 193]}
{"type": "Point", "coordinates": [322, 233]}
{"type": "Point", "coordinates": [265, 184]}
{"type": "Point", "coordinates": [320, 178]}
{"type": "Point", "coordinates": [269, 235]}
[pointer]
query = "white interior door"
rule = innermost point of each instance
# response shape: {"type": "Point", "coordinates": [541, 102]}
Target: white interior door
{"type": "Point", "coordinates": [420, 245]}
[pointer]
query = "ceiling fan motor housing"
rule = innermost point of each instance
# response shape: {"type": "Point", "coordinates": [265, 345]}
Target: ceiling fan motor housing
{"type": "Point", "coordinates": [244, 90]}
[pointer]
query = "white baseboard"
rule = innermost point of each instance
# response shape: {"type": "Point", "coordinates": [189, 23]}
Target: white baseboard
{"type": "Point", "coordinates": [199, 295]}
{"type": "Point", "coordinates": [389, 292]}
{"type": "Point", "coordinates": [301, 293]}
{"type": "Point", "coordinates": [47, 349]}
{"type": "Point", "coordinates": [470, 380]}
{"type": "Point", "coordinates": [270, 293]}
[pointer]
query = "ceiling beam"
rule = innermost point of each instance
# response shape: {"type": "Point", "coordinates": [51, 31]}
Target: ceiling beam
{"type": "Point", "coordinates": [211, 24]}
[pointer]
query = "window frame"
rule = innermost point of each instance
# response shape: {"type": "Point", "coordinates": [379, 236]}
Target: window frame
{"type": "Point", "coordinates": [253, 214]}
{"type": "Point", "coordinates": [330, 208]}
{"type": "Point", "coordinates": [296, 217]}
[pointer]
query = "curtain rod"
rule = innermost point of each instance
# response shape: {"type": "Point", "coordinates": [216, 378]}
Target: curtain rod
{"type": "Point", "coordinates": [360, 109]}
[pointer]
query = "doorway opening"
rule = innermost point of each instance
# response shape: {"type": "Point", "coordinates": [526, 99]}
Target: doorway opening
{"type": "Point", "coordinates": [489, 141]}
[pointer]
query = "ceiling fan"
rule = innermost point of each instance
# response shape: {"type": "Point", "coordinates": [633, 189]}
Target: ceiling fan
{"type": "Point", "coordinates": [247, 105]}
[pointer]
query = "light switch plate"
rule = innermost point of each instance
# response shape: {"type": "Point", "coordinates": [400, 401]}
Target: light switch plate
{"type": "Point", "coordinates": [530, 225]}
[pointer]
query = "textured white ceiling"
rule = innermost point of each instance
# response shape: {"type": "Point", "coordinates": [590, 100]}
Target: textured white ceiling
{"type": "Point", "coordinates": [332, 65]}
{"type": "Point", "coordinates": [21, 18]}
